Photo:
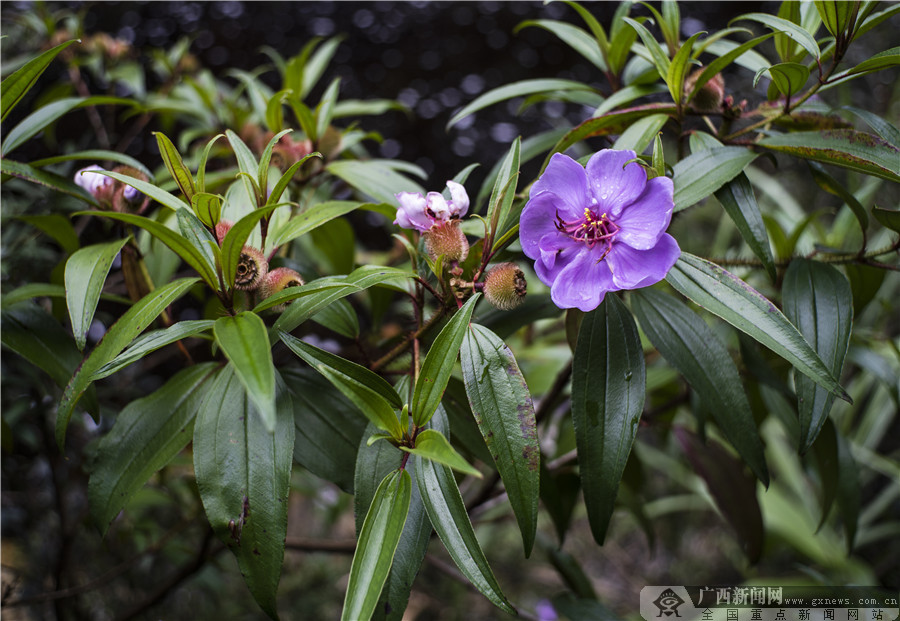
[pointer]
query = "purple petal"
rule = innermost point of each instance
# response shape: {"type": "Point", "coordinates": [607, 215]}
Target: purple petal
{"type": "Point", "coordinates": [459, 200]}
{"type": "Point", "coordinates": [566, 178]}
{"type": "Point", "coordinates": [613, 186]}
{"type": "Point", "coordinates": [556, 251]}
{"type": "Point", "coordinates": [632, 269]}
{"type": "Point", "coordinates": [643, 221]}
{"type": "Point", "coordinates": [582, 283]}
{"type": "Point", "coordinates": [437, 204]}
{"type": "Point", "coordinates": [411, 214]}
{"type": "Point", "coordinates": [538, 220]}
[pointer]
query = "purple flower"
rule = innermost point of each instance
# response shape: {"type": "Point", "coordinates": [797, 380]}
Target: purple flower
{"type": "Point", "coordinates": [423, 212]}
{"type": "Point", "coordinates": [90, 180]}
{"type": "Point", "coordinates": [598, 229]}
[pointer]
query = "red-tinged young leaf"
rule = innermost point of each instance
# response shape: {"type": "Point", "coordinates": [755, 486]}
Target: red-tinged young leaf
{"type": "Point", "coordinates": [439, 363]}
{"type": "Point", "coordinates": [146, 436]}
{"type": "Point", "coordinates": [817, 299]}
{"type": "Point", "coordinates": [691, 346]}
{"type": "Point", "coordinates": [608, 389]}
{"type": "Point", "coordinates": [86, 272]}
{"type": "Point", "coordinates": [732, 488]}
{"type": "Point", "coordinates": [377, 544]}
{"type": "Point", "coordinates": [129, 325]}
{"type": "Point", "coordinates": [243, 474]}
{"type": "Point", "coordinates": [503, 409]}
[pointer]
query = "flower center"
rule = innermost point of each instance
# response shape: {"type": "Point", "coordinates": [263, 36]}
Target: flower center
{"type": "Point", "coordinates": [590, 229]}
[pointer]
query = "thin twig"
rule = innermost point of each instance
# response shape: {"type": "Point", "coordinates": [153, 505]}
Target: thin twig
{"type": "Point", "coordinates": [405, 344]}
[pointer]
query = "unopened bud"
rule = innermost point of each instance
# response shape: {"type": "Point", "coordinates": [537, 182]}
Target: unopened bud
{"type": "Point", "coordinates": [447, 239]}
{"type": "Point", "coordinates": [222, 229]}
{"type": "Point", "coordinates": [251, 269]}
{"type": "Point", "coordinates": [505, 286]}
{"type": "Point", "coordinates": [126, 197]}
{"type": "Point", "coordinates": [710, 96]}
{"type": "Point", "coordinates": [277, 280]}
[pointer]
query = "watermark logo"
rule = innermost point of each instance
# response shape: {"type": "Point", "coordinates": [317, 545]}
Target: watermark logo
{"type": "Point", "coordinates": [668, 603]}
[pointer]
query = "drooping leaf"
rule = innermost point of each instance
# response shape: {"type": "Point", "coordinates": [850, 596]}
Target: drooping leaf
{"type": "Point", "coordinates": [504, 411]}
{"type": "Point", "coordinates": [447, 513]}
{"type": "Point", "coordinates": [724, 294]}
{"type": "Point", "coordinates": [847, 148]}
{"type": "Point", "coordinates": [85, 276]}
{"type": "Point", "coordinates": [439, 363]}
{"type": "Point", "coordinates": [818, 301]}
{"type": "Point", "coordinates": [733, 490]}
{"type": "Point", "coordinates": [243, 339]}
{"type": "Point", "coordinates": [739, 201]}
{"type": "Point", "coordinates": [788, 28]}
{"type": "Point", "coordinates": [832, 186]}
{"type": "Point", "coordinates": [378, 541]}
{"type": "Point", "coordinates": [177, 243]}
{"type": "Point", "coordinates": [573, 36]}
{"type": "Point", "coordinates": [243, 474]}
{"type": "Point", "coordinates": [159, 195]}
{"type": "Point", "coordinates": [691, 346]}
{"type": "Point", "coordinates": [15, 86]}
{"type": "Point", "coordinates": [147, 434]}
{"type": "Point", "coordinates": [702, 173]}
{"type": "Point", "coordinates": [608, 387]}
{"type": "Point", "coordinates": [788, 78]}
{"type": "Point", "coordinates": [150, 342]}
{"type": "Point", "coordinates": [129, 325]}
{"type": "Point", "coordinates": [882, 127]}
{"type": "Point", "coordinates": [889, 218]}
{"type": "Point", "coordinates": [46, 179]}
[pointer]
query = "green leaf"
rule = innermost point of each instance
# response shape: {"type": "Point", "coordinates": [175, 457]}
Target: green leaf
{"type": "Point", "coordinates": [691, 346]}
{"type": "Point", "coordinates": [369, 392]}
{"type": "Point", "coordinates": [847, 148]}
{"type": "Point", "coordinates": [175, 165]}
{"type": "Point", "coordinates": [788, 78]}
{"type": "Point", "coordinates": [733, 491]}
{"type": "Point", "coordinates": [265, 160]}
{"type": "Point", "coordinates": [85, 275]}
{"type": "Point", "coordinates": [320, 286]}
{"type": "Point", "coordinates": [433, 445]}
{"type": "Point", "coordinates": [377, 543]}
{"type": "Point", "coordinates": [739, 202]}
{"type": "Point", "coordinates": [374, 179]}
{"type": "Point", "coordinates": [817, 300]}
{"type": "Point", "coordinates": [315, 67]}
{"type": "Point", "coordinates": [849, 493]}
{"type": "Point", "coordinates": [247, 164]}
{"type": "Point", "coordinates": [439, 363]}
{"type": "Point", "coordinates": [313, 217]}
{"type": "Point", "coordinates": [574, 37]}
{"type": "Point", "coordinates": [38, 120]}
{"type": "Point", "coordinates": [56, 226]}
{"type": "Point", "coordinates": [596, 29]}
{"type": "Point", "coordinates": [724, 294]}
{"type": "Point", "coordinates": [783, 26]}
{"type": "Point", "coordinates": [15, 86]}
{"type": "Point", "coordinates": [503, 409]}
{"type": "Point", "coordinates": [160, 196]}
{"type": "Point", "coordinates": [201, 168]}
{"type": "Point", "coordinates": [208, 208]}
{"type": "Point", "coordinates": [833, 186]}
{"type": "Point", "coordinates": [33, 333]}
{"type": "Point", "coordinates": [94, 154]}
{"type": "Point", "coordinates": [835, 15]}
{"type": "Point", "coordinates": [170, 238]}
{"type": "Point", "coordinates": [882, 60]}
{"type": "Point", "coordinates": [235, 239]}
{"type": "Point", "coordinates": [244, 340]}
{"type": "Point", "coordinates": [286, 178]}
{"type": "Point", "coordinates": [150, 342]}
{"type": "Point", "coordinates": [723, 61]}
{"type": "Point", "coordinates": [120, 334]}
{"type": "Point", "coordinates": [447, 513]}
{"type": "Point", "coordinates": [889, 218]}
{"type": "Point", "coordinates": [47, 179]}
{"type": "Point", "coordinates": [678, 68]}
{"type": "Point", "coordinates": [608, 386]}
{"type": "Point", "coordinates": [325, 109]}
{"type": "Point", "coordinates": [657, 53]}
{"type": "Point", "coordinates": [327, 428]}
{"type": "Point", "coordinates": [504, 191]}
{"type": "Point", "coordinates": [702, 173]}
{"type": "Point", "coordinates": [146, 436]}
{"type": "Point", "coordinates": [200, 238]}
{"type": "Point", "coordinates": [340, 317]}
{"type": "Point", "coordinates": [243, 474]}
{"type": "Point", "coordinates": [640, 134]}
{"type": "Point", "coordinates": [882, 127]}
{"type": "Point", "coordinates": [621, 39]}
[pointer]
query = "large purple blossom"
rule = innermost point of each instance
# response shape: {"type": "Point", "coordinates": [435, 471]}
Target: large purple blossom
{"type": "Point", "coordinates": [597, 229]}
{"type": "Point", "coordinates": [423, 212]}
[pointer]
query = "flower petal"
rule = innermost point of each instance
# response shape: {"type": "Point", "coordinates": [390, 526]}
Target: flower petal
{"type": "Point", "coordinates": [582, 283]}
{"type": "Point", "coordinates": [613, 186]}
{"type": "Point", "coordinates": [538, 220]}
{"type": "Point", "coordinates": [459, 200]}
{"type": "Point", "coordinates": [565, 178]}
{"type": "Point", "coordinates": [556, 251]}
{"type": "Point", "coordinates": [632, 269]}
{"type": "Point", "coordinates": [437, 204]}
{"type": "Point", "coordinates": [411, 213]}
{"type": "Point", "coordinates": [643, 221]}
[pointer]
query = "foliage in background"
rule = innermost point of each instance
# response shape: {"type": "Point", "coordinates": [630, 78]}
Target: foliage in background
{"type": "Point", "coordinates": [225, 328]}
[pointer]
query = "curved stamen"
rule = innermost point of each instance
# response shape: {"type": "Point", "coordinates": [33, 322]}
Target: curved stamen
{"type": "Point", "coordinates": [589, 229]}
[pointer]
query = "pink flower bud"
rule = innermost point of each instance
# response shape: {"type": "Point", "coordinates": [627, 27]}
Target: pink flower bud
{"type": "Point", "coordinates": [251, 269]}
{"type": "Point", "coordinates": [447, 239]}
